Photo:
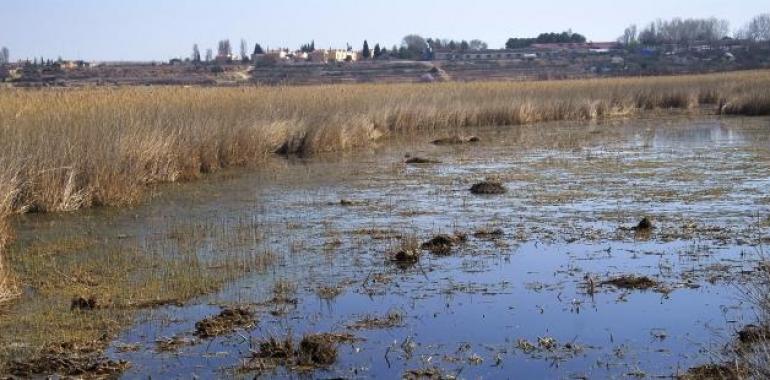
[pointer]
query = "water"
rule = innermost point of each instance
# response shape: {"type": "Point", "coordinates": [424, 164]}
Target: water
{"type": "Point", "coordinates": [573, 190]}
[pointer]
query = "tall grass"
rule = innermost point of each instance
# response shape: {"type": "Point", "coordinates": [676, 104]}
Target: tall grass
{"type": "Point", "coordinates": [66, 149]}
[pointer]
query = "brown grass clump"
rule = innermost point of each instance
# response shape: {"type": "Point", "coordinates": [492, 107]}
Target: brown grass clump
{"type": "Point", "coordinates": [67, 360]}
{"type": "Point", "coordinates": [392, 319]}
{"type": "Point", "coordinates": [488, 188]}
{"type": "Point", "coordinates": [314, 351]}
{"type": "Point", "coordinates": [455, 140]}
{"type": "Point", "coordinates": [749, 104]}
{"type": "Point", "coordinates": [408, 253]}
{"type": "Point", "coordinates": [430, 373]}
{"type": "Point", "coordinates": [421, 160]}
{"type": "Point", "coordinates": [644, 225]}
{"type": "Point", "coordinates": [226, 322]}
{"type": "Point", "coordinates": [631, 282]}
{"type": "Point", "coordinates": [489, 233]}
{"type": "Point", "coordinates": [441, 244]}
{"type": "Point", "coordinates": [714, 372]}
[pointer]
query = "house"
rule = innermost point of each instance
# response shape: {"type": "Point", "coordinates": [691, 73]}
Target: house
{"type": "Point", "coordinates": [477, 55]}
{"type": "Point", "coordinates": [319, 56]}
{"type": "Point", "coordinates": [584, 47]}
{"type": "Point", "coordinates": [339, 55]}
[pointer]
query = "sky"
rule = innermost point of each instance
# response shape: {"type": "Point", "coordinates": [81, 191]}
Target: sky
{"type": "Point", "coordinates": [143, 30]}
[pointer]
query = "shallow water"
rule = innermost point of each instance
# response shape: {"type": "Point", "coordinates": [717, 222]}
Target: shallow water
{"type": "Point", "coordinates": [573, 190]}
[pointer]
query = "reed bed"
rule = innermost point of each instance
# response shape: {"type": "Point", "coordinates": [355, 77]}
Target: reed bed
{"type": "Point", "coordinates": [66, 149]}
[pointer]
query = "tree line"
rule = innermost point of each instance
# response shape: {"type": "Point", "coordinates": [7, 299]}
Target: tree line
{"type": "Point", "coordinates": [695, 30]}
{"type": "Point", "coordinates": [545, 38]}
{"type": "Point", "coordinates": [5, 55]}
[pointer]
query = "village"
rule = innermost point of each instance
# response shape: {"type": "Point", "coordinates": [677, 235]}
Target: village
{"type": "Point", "coordinates": [561, 55]}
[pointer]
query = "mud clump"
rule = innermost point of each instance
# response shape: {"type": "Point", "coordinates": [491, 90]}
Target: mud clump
{"type": "Point", "coordinates": [313, 351]}
{"type": "Point", "coordinates": [644, 225]}
{"type": "Point", "coordinates": [488, 188]}
{"type": "Point", "coordinates": [406, 256]}
{"type": "Point", "coordinates": [442, 244]}
{"type": "Point", "coordinates": [631, 282]}
{"type": "Point", "coordinates": [83, 303]}
{"type": "Point", "coordinates": [392, 319]}
{"type": "Point", "coordinates": [317, 350]}
{"type": "Point", "coordinates": [225, 322]}
{"type": "Point", "coordinates": [347, 202]}
{"type": "Point", "coordinates": [173, 344]}
{"type": "Point", "coordinates": [421, 160]}
{"type": "Point", "coordinates": [430, 373]}
{"type": "Point", "coordinates": [484, 233]}
{"type": "Point", "coordinates": [752, 334]}
{"type": "Point", "coordinates": [328, 292]}
{"type": "Point", "coordinates": [455, 140]}
{"type": "Point", "coordinates": [67, 360]}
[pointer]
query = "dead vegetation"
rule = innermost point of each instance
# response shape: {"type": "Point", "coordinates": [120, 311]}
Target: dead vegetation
{"type": "Point", "coordinates": [329, 292]}
{"type": "Point", "coordinates": [714, 372]}
{"type": "Point", "coordinates": [226, 322]}
{"type": "Point", "coordinates": [314, 351]}
{"type": "Point", "coordinates": [421, 160]}
{"type": "Point", "coordinates": [489, 233]}
{"type": "Point", "coordinates": [67, 360]}
{"type": "Point", "coordinates": [455, 140]}
{"type": "Point", "coordinates": [489, 187]}
{"type": "Point", "coordinates": [631, 282]}
{"type": "Point", "coordinates": [172, 344]}
{"type": "Point", "coordinates": [751, 334]}
{"type": "Point", "coordinates": [644, 225]}
{"type": "Point", "coordinates": [394, 318]}
{"type": "Point", "coordinates": [429, 373]}
{"type": "Point", "coordinates": [408, 252]}
{"type": "Point", "coordinates": [83, 303]}
{"type": "Point", "coordinates": [442, 244]}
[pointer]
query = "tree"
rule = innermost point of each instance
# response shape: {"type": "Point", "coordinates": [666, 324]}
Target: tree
{"type": "Point", "coordinates": [308, 48]}
{"type": "Point", "coordinates": [258, 49]}
{"type": "Point", "coordinates": [560, 38]}
{"type": "Point", "coordinates": [758, 29]}
{"type": "Point", "coordinates": [224, 50]}
{"type": "Point", "coordinates": [5, 56]}
{"type": "Point", "coordinates": [629, 36]}
{"type": "Point", "coordinates": [684, 31]}
{"type": "Point", "coordinates": [377, 51]}
{"type": "Point", "coordinates": [244, 51]}
{"type": "Point", "coordinates": [519, 43]}
{"type": "Point", "coordinates": [464, 45]}
{"type": "Point", "coordinates": [209, 55]}
{"type": "Point", "coordinates": [196, 54]}
{"type": "Point", "coordinates": [414, 47]}
{"type": "Point", "coordinates": [478, 45]}
{"type": "Point", "coordinates": [366, 53]}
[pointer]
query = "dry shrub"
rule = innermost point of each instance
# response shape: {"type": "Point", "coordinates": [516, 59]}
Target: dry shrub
{"type": "Point", "coordinates": [751, 104]}
{"type": "Point", "coordinates": [9, 192]}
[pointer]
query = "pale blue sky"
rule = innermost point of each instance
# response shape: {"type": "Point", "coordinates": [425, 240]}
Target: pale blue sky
{"type": "Point", "coordinates": [161, 29]}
